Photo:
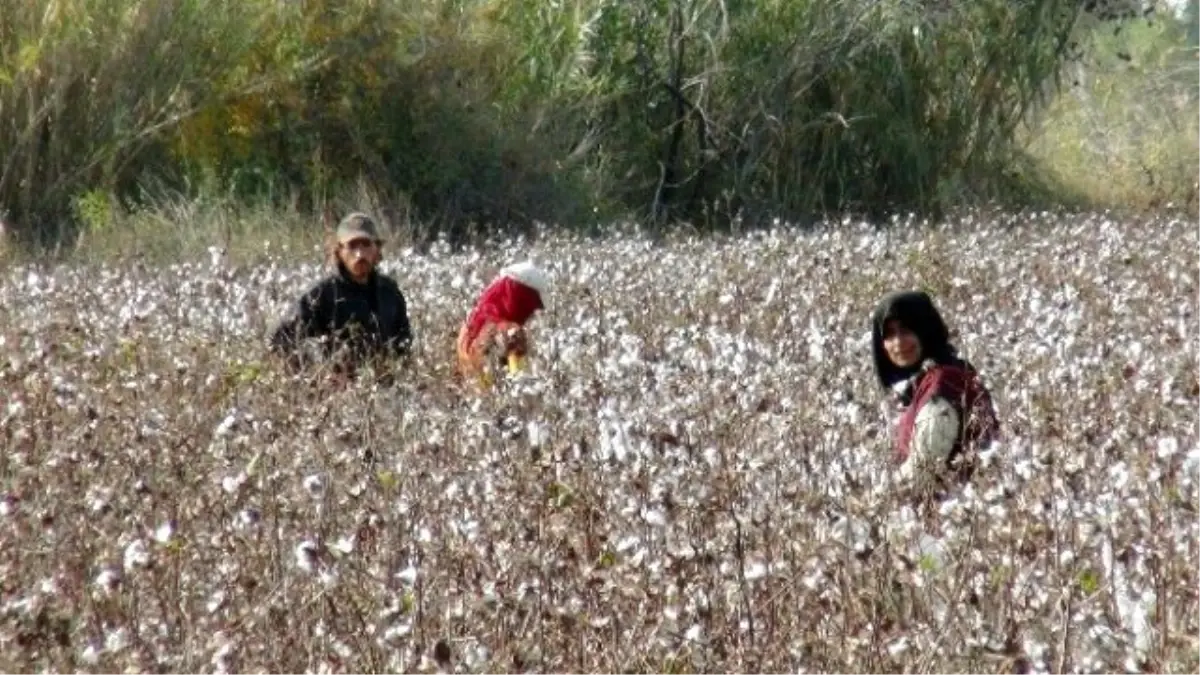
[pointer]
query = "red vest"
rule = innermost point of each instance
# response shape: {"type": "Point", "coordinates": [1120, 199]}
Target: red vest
{"type": "Point", "coordinates": [971, 400]}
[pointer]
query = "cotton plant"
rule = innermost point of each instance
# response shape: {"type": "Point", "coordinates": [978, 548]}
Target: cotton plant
{"type": "Point", "coordinates": [695, 472]}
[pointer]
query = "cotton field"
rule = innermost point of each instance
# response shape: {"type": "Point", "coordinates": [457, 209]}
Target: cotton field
{"type": "Point", "coordinates": [695, 476]}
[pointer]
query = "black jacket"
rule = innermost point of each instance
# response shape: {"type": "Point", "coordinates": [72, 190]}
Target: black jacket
{"type": "Point", "coordinates": [367, 320]}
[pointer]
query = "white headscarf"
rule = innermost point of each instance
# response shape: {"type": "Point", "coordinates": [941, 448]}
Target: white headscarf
{"type": "Point", "coordinates": [532, 276]}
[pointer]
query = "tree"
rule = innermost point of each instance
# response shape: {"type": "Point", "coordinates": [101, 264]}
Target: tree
{"type": "Point", "coordinates": [1192, 16]}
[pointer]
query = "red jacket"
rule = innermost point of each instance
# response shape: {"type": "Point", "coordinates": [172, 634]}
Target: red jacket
{"type": "Point", "coordinates": [961, 388]}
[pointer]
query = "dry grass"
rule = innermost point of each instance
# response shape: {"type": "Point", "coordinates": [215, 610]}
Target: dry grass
{"type": "Point", "coordinates": [693, 480]}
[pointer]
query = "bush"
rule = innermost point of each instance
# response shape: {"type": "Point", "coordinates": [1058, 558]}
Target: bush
{"type": "Point", "coordinates": [400, 96]}
{"type": "Point", "coordinates": [796, 108]}
{"type": "Point", "coordinates": [90, 88]}
{"type": "Point", "coordinates": [461, 113]}
{"type": "Point", "coordinates": [1127, 132]}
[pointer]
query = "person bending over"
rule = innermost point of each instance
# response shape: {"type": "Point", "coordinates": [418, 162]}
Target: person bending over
{"type": "Point", "coordinates": [494, 335]}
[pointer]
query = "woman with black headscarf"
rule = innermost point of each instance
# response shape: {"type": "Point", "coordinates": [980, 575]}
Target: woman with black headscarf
{"type": "Point", "coordinates": [948, 416]}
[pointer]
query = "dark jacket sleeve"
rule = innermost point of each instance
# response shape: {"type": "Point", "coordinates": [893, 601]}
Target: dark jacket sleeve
{"type": "Point", "coordinates": [401, 335]}
{"type": "Point", "coordinates": [308, 317]}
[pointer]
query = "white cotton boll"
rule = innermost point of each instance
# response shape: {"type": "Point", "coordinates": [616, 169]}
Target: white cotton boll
{"type": "Point", "coordinates": [933, 549]}
{"type": "Point", "coordinates": [1191, 461]}
{"type": "Point", "coordinates": [1136, 350]}
{"type": "Point", "coordinates": [136, 555]}
{"type": "Point", "coordinates": [216, 601]}
{"type": "Point", "coordinates": [656, 517]}
{"type": "Point", "coordinates": [216, 256]}
{"type": "Point", "coordinates": [314, 485]}
{"type": "Point", "coordinates": [1135, 613]}
{"type": "Point", "coordinates": [1119, 473]}
{"type": "Point", "coordinates": [1167, 447]}
{"type": "Point", "coordinates": [755, 570]}
{"type": "Point", "coordinates": [344, 545]}
{"type": "Point", "coordinates": [628, 543]}
{"type": "Point", "coordinates": [225, 428]}
{"type": "Point", "coordinates": [107, 579]}
{"type": "Point", "coordinates": [220, 658]}
{"type": "Point", "coordinates": [408, 575]}
{"type": "Point", "coordinates": [1024, 469]}
{"type": "Point", "coordinates": [397, 631]}
{"type": "Point", "coordinates": [232, 484]}
{"type": "Point", "coordinates": [306, 556]}
{"type": "Point", "coordinates": [935, 431]}
{"type": "Point", "coordinates": [90, 654]}
{"type": "Point", "coordinates": [48, 586]}
{"type": "Point", "coordinates": [475, 657]}
{"type": "Point", "coordinates": [853, 532]}
{"type": "Point", "coordinates": [900, 523]}
{"type": "Point", "coordinates": [898, 646]}
{"type": "Point", "coordinates": [116, 641]}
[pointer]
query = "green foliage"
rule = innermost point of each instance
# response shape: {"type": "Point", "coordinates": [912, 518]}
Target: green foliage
{"type": "Point", "coordinates": [798, 108]}
{"type": "Point", "coordinates": [89, 88]}
{"type": "Point", "coordinates": [559, 495]}
{"type": "Point", "coordinates": [1089, 581]}
{"type": "Point", "coordinates": [1127, 132]}
{"type": "Point", "coordinates": [95, 211]}
{"type": "Point", "coordinates": [503, 112]}
{"type": "Point", "coordinates": [394, 93]}
{"type": "Point", "coordinates": [1191, 18]}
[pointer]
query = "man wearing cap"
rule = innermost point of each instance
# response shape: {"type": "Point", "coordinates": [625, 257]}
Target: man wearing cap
{"type": "Point", "coordinates": [494, 333]}
{"type": "Point", "coordinates": [359, 314]}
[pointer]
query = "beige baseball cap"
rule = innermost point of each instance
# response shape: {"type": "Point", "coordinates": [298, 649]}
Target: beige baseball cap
{"type": "Point", "coordinates": [357, 225]}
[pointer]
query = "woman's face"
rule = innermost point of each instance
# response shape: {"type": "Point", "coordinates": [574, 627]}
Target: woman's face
{"type": "Point", "coordinates": [359, 256]}
{"type": "Point", "coordinates": [901, 344]}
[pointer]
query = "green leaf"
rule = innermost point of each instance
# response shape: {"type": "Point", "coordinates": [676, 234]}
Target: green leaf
{"type": "Point", "coordinates": [1000, 575]}
{"type": "Point", "coordinates": [387, 479]}
{"type": "Point", "coordinates": [1089, 581]}
{"type": "Point", "coordinates": [559, 494]}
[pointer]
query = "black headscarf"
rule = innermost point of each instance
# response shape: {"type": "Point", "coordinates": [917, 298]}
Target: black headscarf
{"type": "Point", "coordinates": [916, 311]}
